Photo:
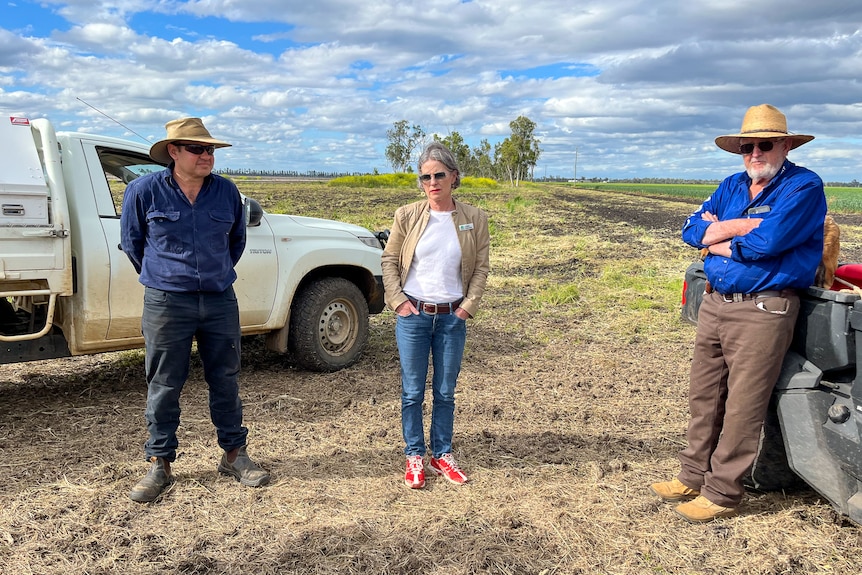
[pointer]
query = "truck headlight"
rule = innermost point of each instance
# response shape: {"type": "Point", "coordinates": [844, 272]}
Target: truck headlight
{"type": "Point", "coordinates": [370, 241]}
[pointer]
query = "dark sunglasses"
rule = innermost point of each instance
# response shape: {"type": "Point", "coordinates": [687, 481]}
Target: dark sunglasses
{"type": "Point", "coordinates": [765, 146]}
{"type": "Point", "coordinates": [425, 178]}
{"type": "Point", "coordinates": [197, 149]}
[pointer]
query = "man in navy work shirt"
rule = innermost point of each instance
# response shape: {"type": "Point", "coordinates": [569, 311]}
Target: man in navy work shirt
{"type": "Point", "coordinates": [764, 231]}
{"type": "Point", "coordinates": [184, 231]}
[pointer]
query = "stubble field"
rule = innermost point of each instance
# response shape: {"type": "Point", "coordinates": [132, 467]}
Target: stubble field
{"type": "Point", "coordinates": [572, 399]}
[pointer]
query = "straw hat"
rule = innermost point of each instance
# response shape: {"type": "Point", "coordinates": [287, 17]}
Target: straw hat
{"type": "Point", "coordinates": [183, 130]}
{"type": "Point", "coordinates": [763, 121]}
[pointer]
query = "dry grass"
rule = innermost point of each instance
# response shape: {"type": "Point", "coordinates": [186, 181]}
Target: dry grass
{"type": "Point", "coordinates": [567, 409]}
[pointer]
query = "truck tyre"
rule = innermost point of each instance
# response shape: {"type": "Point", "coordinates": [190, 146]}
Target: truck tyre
{"type": "Point", "coordinates": [771, 471]}
{"type": "Point", "coordinates": [328, 325]}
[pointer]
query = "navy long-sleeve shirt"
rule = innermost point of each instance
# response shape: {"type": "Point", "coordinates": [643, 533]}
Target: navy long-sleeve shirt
{"type": "Point", "coordinates": [179, 246]}
{"type": "Point", "coordinates": [784, 250]}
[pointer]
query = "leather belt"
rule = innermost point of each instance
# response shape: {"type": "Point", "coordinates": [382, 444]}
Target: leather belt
{"type": "Point", "coordinates": [435, 308]}
{"type": "Point", "coordinates": [738, 297]}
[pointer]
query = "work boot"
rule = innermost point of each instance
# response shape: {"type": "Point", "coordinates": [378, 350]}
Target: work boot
{"type": "Point", "coordinates": [673, 490]}
{"type": "Point", "coordinates": [702, 510]}
{"type": "Point", "coordinates": [154, 482]}
{"type": "Point", "coordinates": [243, 468]}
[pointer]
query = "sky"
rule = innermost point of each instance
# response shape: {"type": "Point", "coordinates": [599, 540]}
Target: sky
{"type": "Point", "coordinates": [617, 89]}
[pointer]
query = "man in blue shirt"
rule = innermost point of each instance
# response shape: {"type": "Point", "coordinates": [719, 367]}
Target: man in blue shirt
{"type": "Point", "coordinates": [184, 231]}
{"type": "Point", "coordinates": [763, 229]}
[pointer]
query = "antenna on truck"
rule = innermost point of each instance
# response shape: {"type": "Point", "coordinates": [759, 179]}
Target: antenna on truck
{"type": "Point", "coordinates": [114, 120]}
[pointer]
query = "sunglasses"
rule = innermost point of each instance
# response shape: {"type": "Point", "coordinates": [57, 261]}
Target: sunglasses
{"type": "Point", "coordinates": [197, 149]}
{"type": "Point", "coordinates": [425, 178]}
{"type": "Point", "coordinates": [765, 146]}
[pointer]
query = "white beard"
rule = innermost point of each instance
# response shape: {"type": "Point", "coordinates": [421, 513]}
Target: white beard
{"type": "Point", "coordinates": [763, 172]}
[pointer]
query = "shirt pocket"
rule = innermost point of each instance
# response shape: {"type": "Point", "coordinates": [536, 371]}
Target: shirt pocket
{"type": "Point", "coordinates": [221, 224]}
{"type": "Point", "coordinates": [165, 231]}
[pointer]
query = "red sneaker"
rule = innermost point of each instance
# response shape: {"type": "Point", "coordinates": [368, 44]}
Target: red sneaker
{"type": "Point", "coordinates": [415, 475]}
{"type": "Point", "coordinates": [447, 467]}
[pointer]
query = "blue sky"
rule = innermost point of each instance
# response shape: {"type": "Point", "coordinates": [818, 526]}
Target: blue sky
{"type": "Point", "coordinates": [637, 88]}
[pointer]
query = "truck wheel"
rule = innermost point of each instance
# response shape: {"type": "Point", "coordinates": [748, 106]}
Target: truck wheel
{"type": "Point", "coordinates": [328, 325]}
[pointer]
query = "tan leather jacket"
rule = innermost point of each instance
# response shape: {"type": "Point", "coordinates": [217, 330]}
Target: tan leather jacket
{"type": "Point", "coordinates": [470, 222]}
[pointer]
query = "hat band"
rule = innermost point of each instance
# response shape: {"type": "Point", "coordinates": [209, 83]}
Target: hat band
{"type": "Point", "coordinates": [765, 130]}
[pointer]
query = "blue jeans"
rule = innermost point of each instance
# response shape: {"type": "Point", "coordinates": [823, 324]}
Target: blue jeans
{"type": "Point", "coordinates": [443, 337]}
{"type": "Point", "coordinates": [169, 323]}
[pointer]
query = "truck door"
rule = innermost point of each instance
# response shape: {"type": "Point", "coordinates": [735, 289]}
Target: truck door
{"type": "Point", "coordinates": [110, 170]}
{"type": "Point", "coordinates": [257, 276]}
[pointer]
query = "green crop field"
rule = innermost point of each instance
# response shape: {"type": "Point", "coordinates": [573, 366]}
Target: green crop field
{"type": "Point", "coordinates": [840, 200]}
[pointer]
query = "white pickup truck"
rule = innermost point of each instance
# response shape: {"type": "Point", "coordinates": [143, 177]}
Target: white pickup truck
{"type": "Point", "coordinates": [66, 287]}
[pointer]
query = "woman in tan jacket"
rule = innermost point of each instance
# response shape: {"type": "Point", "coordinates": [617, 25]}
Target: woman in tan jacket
{"type": "Point", "coordinates": [435, 266]}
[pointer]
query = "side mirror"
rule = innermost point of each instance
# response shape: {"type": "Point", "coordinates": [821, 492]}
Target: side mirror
{"type": "Point", "coordinates": [382, 237]}
{"type": "Point", "coordinates": [253, 212]}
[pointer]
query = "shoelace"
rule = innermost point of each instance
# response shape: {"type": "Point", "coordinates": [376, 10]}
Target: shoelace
{"type": "Point", "coordinates": [415, 465]}
{"type": "Point", "coordinates": [449, 461]}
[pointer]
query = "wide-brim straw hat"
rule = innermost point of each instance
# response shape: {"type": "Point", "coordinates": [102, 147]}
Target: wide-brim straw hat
{"type": "Point", "coordinates": [763, 121]}
{"type": "Point", "coordinates": [183, 130]}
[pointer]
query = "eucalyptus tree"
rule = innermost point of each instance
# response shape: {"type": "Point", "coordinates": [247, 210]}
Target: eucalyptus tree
{"type": "Point", "coordinates": [403, 141]}
{"type": "Point", "coordinates": [516, 156]}
{"type": "Point", "coordinates": [461, 151]}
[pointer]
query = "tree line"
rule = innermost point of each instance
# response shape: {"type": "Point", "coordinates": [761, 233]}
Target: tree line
{"type": "Point", "coordinates": [514, 159]}
{"type": "Point", "coordinates": [312, 174]}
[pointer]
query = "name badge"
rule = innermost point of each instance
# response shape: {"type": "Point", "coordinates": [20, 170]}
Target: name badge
{"type": "Point", "coordinates": [465, 227]}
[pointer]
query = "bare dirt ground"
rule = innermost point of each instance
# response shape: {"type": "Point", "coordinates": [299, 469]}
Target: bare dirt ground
{"type": "Point", "coordinates": [566, 411]}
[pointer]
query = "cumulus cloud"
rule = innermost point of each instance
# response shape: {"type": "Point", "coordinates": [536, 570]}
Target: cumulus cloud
{"type": "Point", "coordinates": [636, 88]}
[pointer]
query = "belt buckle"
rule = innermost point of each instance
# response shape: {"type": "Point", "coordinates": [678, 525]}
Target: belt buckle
{"type": "Point", "coordinates": [426, 306]}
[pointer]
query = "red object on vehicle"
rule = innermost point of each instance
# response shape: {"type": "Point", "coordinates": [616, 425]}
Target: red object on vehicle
{"type": "Point", "coordinates": [850, 273]}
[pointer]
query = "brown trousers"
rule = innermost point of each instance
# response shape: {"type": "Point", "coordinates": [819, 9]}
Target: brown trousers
{"type": "Point", "coordinates": [738, 353]}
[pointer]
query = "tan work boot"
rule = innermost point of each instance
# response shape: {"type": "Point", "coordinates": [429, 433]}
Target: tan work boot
{"type": "Point", "coordinates": [673, 490]}
{"type": "Point", "coordinates": [154, 482]}
{"type": "Point", "coordinates": [702, 510]}
{"type": "Point", "coordinates": [243, 468]}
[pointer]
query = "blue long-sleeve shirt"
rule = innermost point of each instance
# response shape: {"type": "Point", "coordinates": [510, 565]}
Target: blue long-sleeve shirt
{"type": "Point", "coordinates": [179, 246]}
{"type": "Point", "coordinates": [784, 250]}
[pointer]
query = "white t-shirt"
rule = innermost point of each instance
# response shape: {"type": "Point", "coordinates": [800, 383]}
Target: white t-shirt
{"type": "Point", "coordinates": [435, 274]}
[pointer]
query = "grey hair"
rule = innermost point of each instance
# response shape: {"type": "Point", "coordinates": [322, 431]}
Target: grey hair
{"type": "Point", "coordinates": [439, 152]}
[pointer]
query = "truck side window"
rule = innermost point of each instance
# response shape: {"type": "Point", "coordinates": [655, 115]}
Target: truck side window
{"type": "Point", "coordinates": [121, 167]}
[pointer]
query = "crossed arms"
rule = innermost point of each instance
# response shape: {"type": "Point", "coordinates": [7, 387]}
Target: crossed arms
{"type": "Point", "coordinates": [719, 233]}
